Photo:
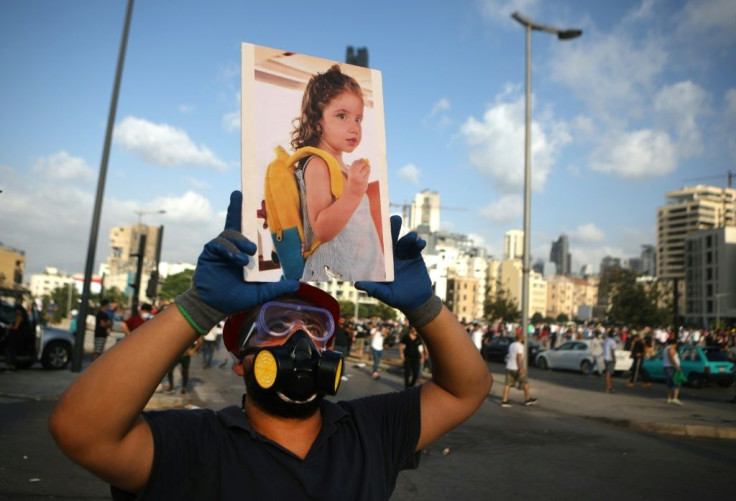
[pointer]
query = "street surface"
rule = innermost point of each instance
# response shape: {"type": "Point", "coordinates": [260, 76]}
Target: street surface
{"type": "Point", "coordinates": [544, 451]}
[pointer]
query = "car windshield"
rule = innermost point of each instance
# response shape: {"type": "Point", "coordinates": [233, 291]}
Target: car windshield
{"type": "Point", "coordinates": [715, 355]}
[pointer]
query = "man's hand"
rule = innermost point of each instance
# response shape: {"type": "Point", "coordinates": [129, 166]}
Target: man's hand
{"type": "Point", "coordinates": [411, 286]}
{"type": "Point", "coordinates": [218, 288]}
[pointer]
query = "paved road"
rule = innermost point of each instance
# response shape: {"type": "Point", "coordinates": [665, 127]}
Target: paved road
{"type": "Point", "coordinates": [577, 442]}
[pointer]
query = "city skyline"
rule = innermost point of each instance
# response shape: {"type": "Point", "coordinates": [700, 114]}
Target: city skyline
{"type": "Point", "coordinates": [642, 104]}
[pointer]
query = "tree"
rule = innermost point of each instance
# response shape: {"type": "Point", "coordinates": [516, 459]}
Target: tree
{"type": "Point", "coordinates": [383, 311]}
{"type": "Point", "coordinates": [502, 308]}
{"type": "Point", "coordinates": [115, 294]}
{"type": "Point", "coordinates": [562, 318]}
{"type": "Point", "coordinates": [537, 318]}
{"type": "Point", "coordinates": [347, 308]}
{"type": "Point", "coordinates": [61, 296]}
{"type": "Point", "coordinates": [634, 304]}
{"type": "Point", "coordinates": [176, 284]}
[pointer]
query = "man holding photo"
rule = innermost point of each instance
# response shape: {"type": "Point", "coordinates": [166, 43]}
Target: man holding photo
{"type": "Point", "coordinates": [282, 444]}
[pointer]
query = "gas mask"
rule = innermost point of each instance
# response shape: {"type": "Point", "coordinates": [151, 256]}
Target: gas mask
{"type": "Point", "coordinates": [296, 371]}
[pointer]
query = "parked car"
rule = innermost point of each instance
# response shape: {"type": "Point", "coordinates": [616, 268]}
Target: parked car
{"type": "Point", "coordinates": [51, 346]}
{"type": "Point", "coordinates": [496, 348]}
{"type": "Point", "coordinates": [700, 364]}
{"type": "Point", "coordinates": [575, 356]}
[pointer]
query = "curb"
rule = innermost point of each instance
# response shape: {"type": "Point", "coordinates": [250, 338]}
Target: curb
{"type": "Point", "coordinates": [683, 430]}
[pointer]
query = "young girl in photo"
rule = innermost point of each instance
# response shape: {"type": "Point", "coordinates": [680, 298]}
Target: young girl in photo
{"type": "Point", "coordinates": [331, 116]}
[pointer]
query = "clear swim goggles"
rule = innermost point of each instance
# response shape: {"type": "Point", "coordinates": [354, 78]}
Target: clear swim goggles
{"type": "Point", "coordinates": [277, 320]}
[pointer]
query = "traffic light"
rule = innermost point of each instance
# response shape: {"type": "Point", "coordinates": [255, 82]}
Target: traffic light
{"type": "Point", "coordinates": [152, 287]}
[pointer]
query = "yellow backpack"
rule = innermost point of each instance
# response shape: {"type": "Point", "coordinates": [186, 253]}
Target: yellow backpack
{"type": "Point", "coordinates": [283, 207]}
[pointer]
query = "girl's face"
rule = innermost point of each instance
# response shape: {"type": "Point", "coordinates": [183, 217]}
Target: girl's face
{"type": "Point", "coordinates": [341, 123]}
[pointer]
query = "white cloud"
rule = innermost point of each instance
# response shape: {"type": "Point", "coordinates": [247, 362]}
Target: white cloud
{"type": "Point", "coordinates": [186, 108]}
{"type": "Point", "coordinates": [507, 208]}
{"type": "Point", "coordinates": [191, 207]}
{"type": "Point", "coordinates": [62, 166]}
{"type": "Point", "coordinates": [613, 74]}
{"type": "Point", "coordinates": [681, 104]}
{"type": "Point", "coordinates": [593, 256]}
{"type": "Point", "coordinates": [231, 121]}
{"type": "Point", "coordinates": [730, 121]}
{"type": "Point", "coordinates": [588, 233]}
{"type": "Point", "coordinates": [197, 183]}
{"type": "Point", "coordinates": [500, 10]}
{"type": "Point", "coordinates": [410, 173]}
{"type": "Point", "coordinates": [476, 239]}
{"type": "Point", "coordinates": [440, 106]}
{"type": "Point", "coordinates": [59, 209]}
{"type": "Point", "coordinates": [711, 20]}
{"type": "Point", "coordinates": [496, 144]}
{"type": "Point", "coordinates": [642, 12]}
{"type": "Point", "coordinates": [436, 117]}
{"type": "Point", "coordinates": [163, 144]}
{"type": "Point", "coordinates": [730, 99]}
{"type": "Point", "coordinates": [638, 154]}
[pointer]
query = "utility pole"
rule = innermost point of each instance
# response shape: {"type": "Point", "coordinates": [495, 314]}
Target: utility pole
{"type": "Point", "coordinates": [95, 229]}
{"type": "Point", "coordinates": [138, 272]}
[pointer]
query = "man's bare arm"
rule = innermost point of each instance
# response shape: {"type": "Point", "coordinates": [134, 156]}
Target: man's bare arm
{"type": "Point", "coordinates": [460, 378]}
{"type": "Point", "coordinates": [97, 422]}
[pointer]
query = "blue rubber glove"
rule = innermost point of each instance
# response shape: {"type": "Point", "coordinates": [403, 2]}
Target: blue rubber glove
{"type": "Point", "coordinates": [411, 287]}
{"type": "Point", "coordinates": [218, 288]}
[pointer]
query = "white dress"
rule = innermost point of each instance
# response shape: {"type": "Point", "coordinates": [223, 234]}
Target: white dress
{"type": "Point", "coordinates": [354, 254]}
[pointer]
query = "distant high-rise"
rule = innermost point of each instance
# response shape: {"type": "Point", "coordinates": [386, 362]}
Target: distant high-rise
{"type": "Point", "coordinates": [608, 263]}
{"type": "Point", "coordinates": [686, 211]}
{"type": "Point", "coordinates": [513, 244]}
{"type": "Point", "coordinates": [538, 267]}
{"type": "Point", "coordinates": [560, 255]}
{"type": "Point", "coordinates": [426, 211]}
{"type": "Point", "coordinates": [357, 57]}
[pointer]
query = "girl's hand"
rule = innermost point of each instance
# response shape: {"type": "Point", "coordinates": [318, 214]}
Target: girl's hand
{"type": "Point", "coordinates": [358, 174]}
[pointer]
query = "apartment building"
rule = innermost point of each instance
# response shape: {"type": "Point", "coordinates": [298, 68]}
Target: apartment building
{"type": "Point", "coordinates": [12, 265]}
{"type": "Point", "coordinates": [686, 211]}
{"type": "Point", "coordinates": [710, 276]}
{"type": "Point", "coordinates": [462, 298]}
{"type": "Point", "coordinates": [45, 283]}
{"type": "Point", "coordinates": [511, 281]}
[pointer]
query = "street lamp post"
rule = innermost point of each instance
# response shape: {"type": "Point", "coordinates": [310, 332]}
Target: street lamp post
{"type": "Point", "coordinates": [95, 228]}
{"type": "Point", "coordinates": [142, 213]}
{"type": "Point", "coordinates": [562, 34]}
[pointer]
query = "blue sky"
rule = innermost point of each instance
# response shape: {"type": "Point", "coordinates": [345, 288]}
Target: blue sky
{"type": "Point", "coordinates": [643, 103]}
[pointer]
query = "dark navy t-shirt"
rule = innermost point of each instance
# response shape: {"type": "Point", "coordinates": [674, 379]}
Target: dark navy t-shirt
{"type": "Point", "coordinates": [362, 446]}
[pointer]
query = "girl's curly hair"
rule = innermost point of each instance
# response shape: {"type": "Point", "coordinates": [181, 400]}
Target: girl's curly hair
{"type": "Point", "coordinates": [321, 89]}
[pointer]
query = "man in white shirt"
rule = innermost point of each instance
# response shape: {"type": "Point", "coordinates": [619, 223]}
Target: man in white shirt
{"type": "Point", "coordinates": [609, 359]}
{"type": "Point", "coordinates": [477, 335]}
{"type": "Point", "coordinates": [515, 372]}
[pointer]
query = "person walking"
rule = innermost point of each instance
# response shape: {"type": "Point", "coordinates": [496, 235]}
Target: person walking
{"type": "Point", "coordinates": [18, 336]}
{"type": "Point", "coordinates": [596, 352]}
{"type": "Point", "coordinates": [609, 359]}
{"type": "Point", "coordinates": [103, 325]}
{"type": "Point", "coordinates": [412, 354]}
{"type": "Point", "coordinates": [136, 320]}
{"type": "Point", "coordinates": [515, 374]}
{"type": "Point", "coordinates": [185, 361]}
{"type": "Point", "coordinates": [638, 351]}
{"type": "Point", "coordinates": [671, 365]}
{"type": "Point", "coordinates": [376, 349]}
{"type": "Point", "coordinates": [342, 341]}
{"type": "Point", "coordinates": [209, 345]}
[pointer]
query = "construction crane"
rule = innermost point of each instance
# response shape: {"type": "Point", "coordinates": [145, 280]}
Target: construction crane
{"type": "Point", "coordinates": [728, 176]}
{"type": "Point", "coordinates": [408, 208]}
